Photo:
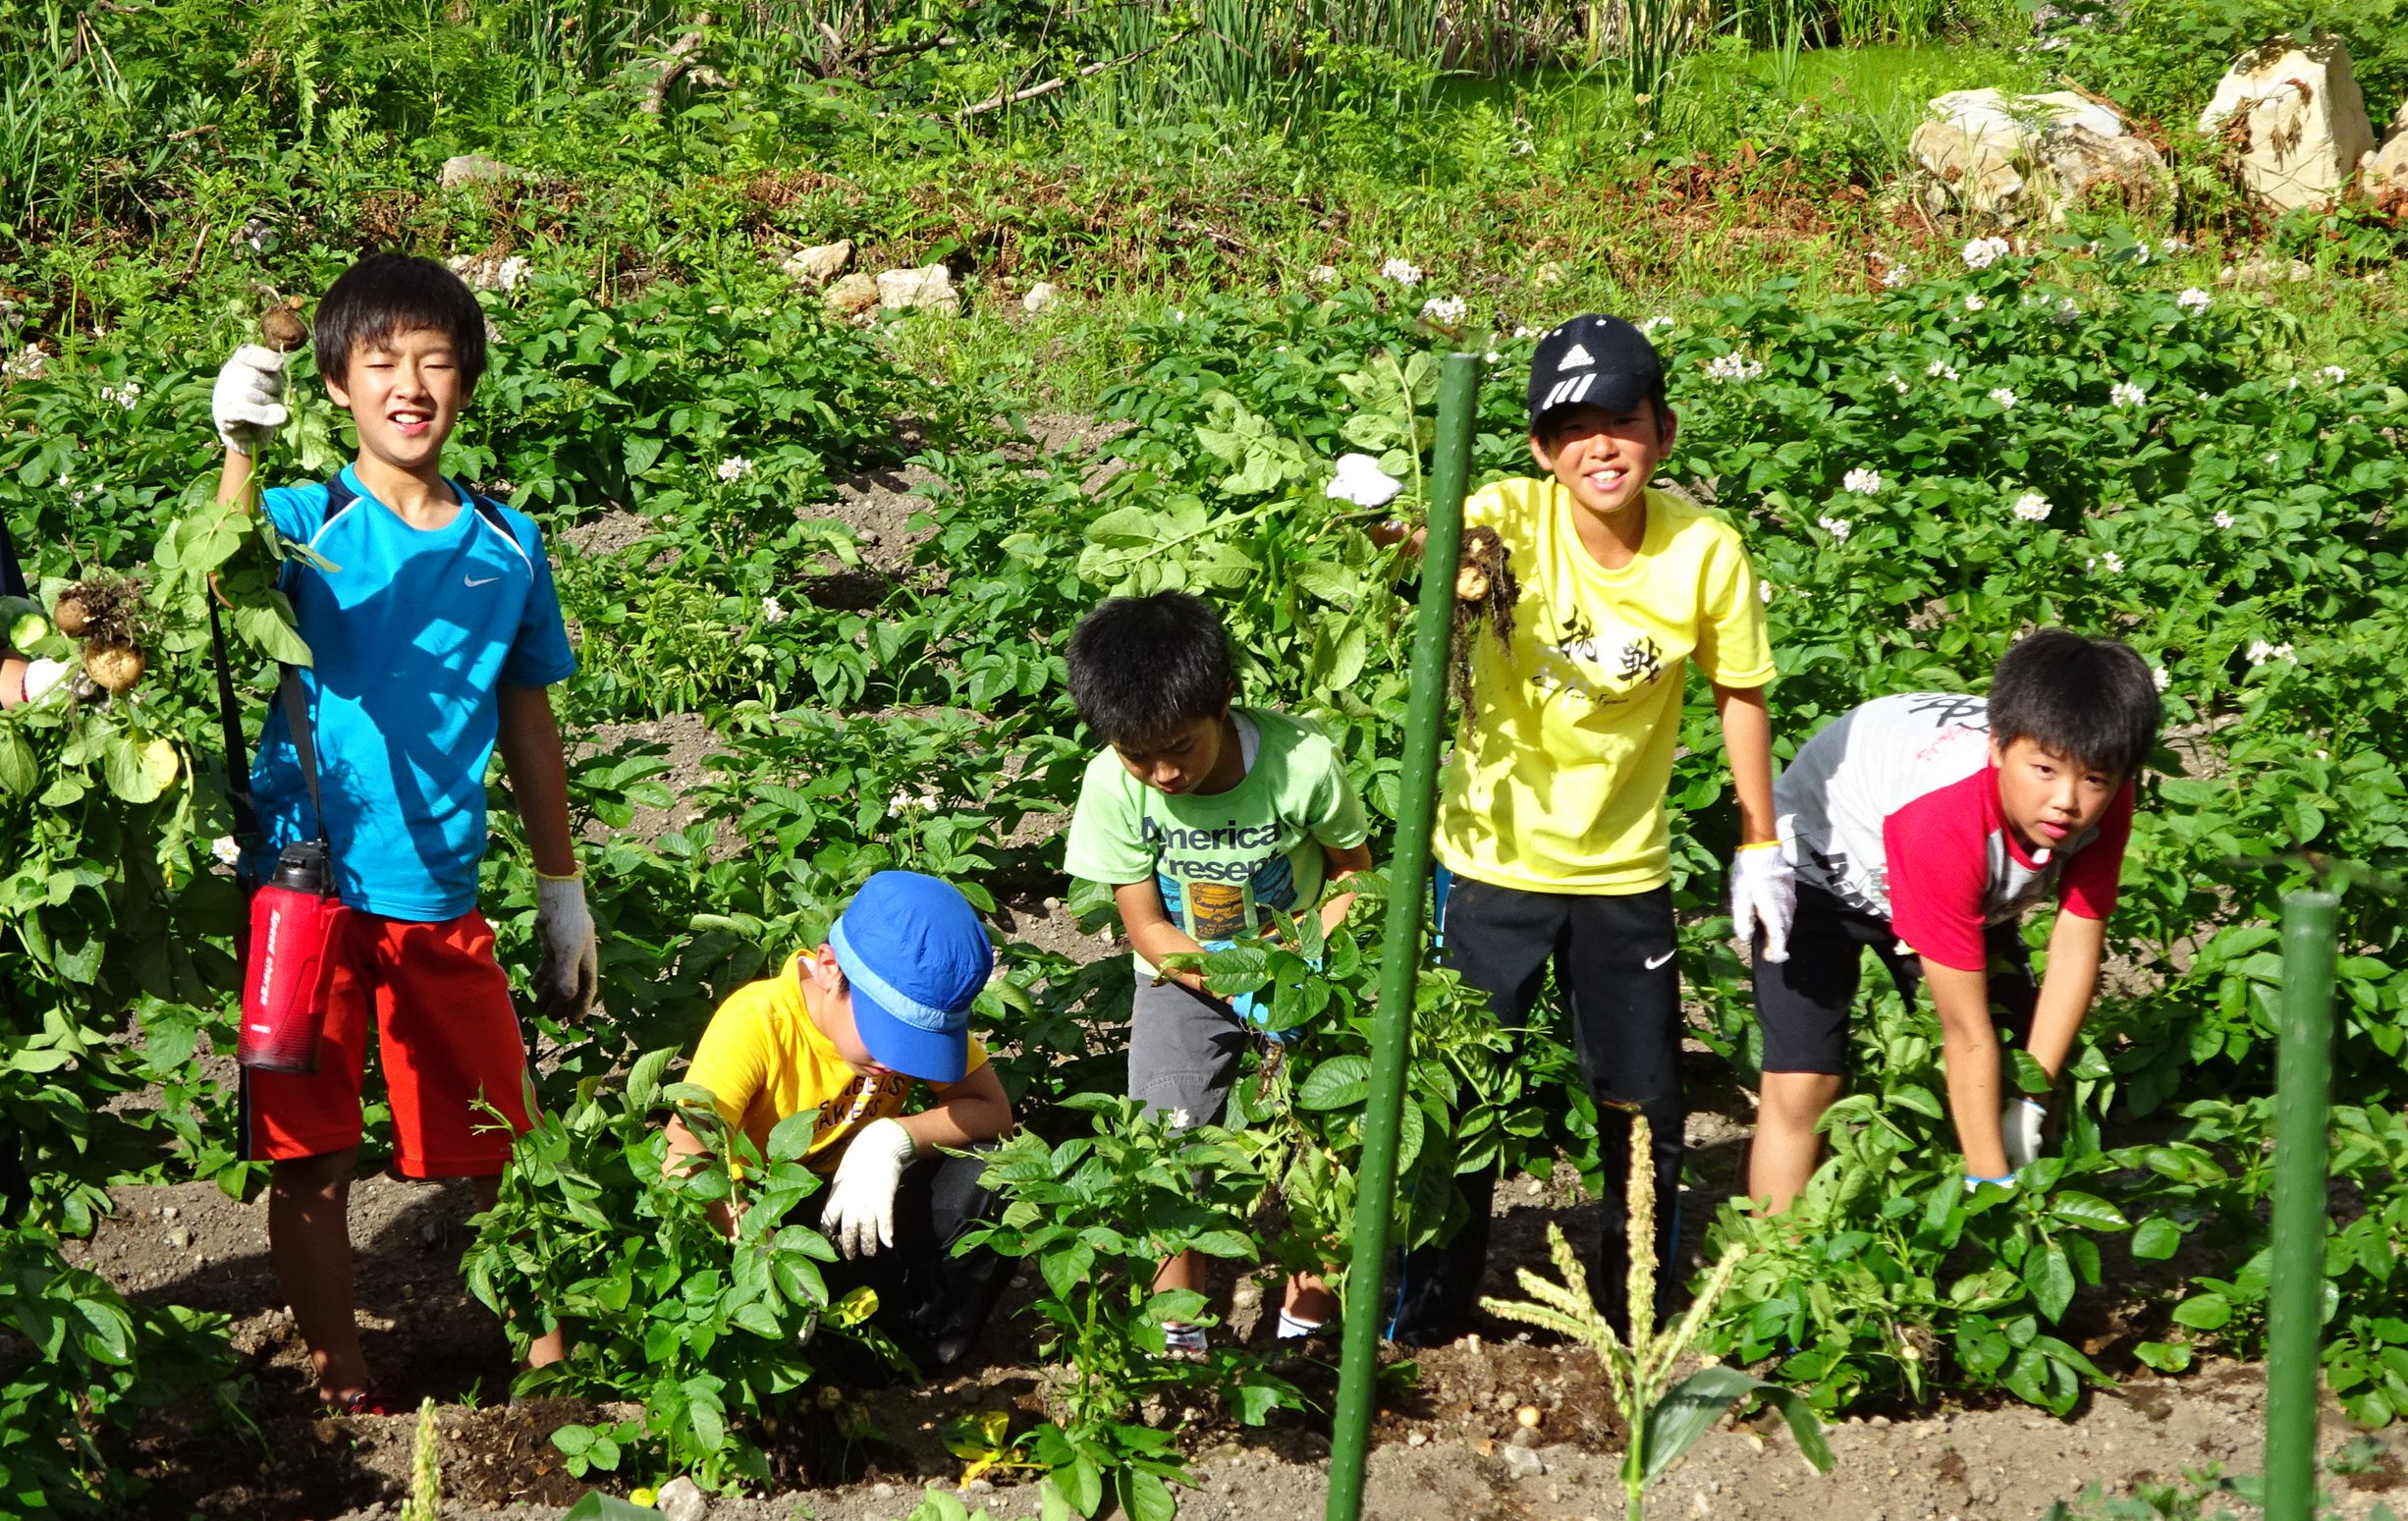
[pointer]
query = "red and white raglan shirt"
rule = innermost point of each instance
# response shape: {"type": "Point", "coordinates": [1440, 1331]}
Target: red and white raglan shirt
{"type": "Point", "coordinates": [1893, 811]}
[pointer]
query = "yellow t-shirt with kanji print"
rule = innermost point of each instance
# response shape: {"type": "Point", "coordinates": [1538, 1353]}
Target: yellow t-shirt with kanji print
{"type": "Point", "coordinates": [762, 1058]}
{"type": "Point", "coordinates": [1562, 765]}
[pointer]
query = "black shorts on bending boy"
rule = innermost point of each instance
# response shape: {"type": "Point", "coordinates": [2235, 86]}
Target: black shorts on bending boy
{"type": "Point", "coordinates": [1803, 1003]}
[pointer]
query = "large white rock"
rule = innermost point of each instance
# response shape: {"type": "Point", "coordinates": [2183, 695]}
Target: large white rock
{"type": "Point", "coordinates": [2295, 120]}
{"type": "Point", "coordinates": [2386, 172]}
{"type": "Point", "coordinates": [929, 288]}
{"type": "Point", "coordinates": [2011, 157]}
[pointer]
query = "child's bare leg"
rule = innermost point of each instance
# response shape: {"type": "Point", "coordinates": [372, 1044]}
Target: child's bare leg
{"type": "Point", "coordinates": [1186, 1271]}
{"type": "Point", "coordinates": [1786, 1147]}
{"type": "Point", "coordinates": [309, 1245]}
{"type": "Point", "coordinates": [552, 1347]}
{"type": "Point", "coordinates": [1309, 1300]}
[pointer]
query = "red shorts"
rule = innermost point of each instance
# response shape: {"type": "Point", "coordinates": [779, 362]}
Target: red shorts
{"type": "Point", "coordinates": [451, 1044]}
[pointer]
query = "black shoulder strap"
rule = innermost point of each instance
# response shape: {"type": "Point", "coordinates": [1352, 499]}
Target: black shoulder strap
{"type": "Point", "coordinates": [305, 740]}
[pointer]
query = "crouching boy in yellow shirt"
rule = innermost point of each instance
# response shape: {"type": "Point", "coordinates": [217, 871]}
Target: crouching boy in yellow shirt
{"type": "Point", "coordinates": [848, 1029]}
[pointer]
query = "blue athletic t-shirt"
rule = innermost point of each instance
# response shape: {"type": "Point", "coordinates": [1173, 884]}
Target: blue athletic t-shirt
{"type": "Point", "coordinates": [412, 632]}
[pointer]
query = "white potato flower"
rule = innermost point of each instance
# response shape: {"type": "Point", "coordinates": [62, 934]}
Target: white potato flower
{"type": "Point", "coordinates": [2032, 507]}
{"type": "Point", "coordinates": [1404, 271]}
{"type": "Point", "coordinates": [1838, 527]}
{"type": "Point", "coordinates": [2124, 394]}
{"type": "Point", "coordinates": [734, 467]}
{"type": "Point", "coordinates": [2194, 300]}
{"type": "Point", "coordinates": [1862, 482]}
{"type": "Point", "coordinates": [1361, 481]}
{"type": "Point", "coordinates": [2004, 397]}
{"type": "Point", "coordinates": [1444, 310]}
{"type": "Point", "coordinates": [1982, 252]}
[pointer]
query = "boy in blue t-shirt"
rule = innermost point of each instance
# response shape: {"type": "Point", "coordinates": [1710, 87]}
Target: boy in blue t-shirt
{"type": "Point", "coordinates": [434, 629]}
{"type": "Point", "coordinates": [1203, 819]}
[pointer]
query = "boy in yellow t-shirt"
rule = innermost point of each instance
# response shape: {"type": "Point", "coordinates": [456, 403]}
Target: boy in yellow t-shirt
{"type": "Point", "coordinates": [1551, 827]}
{"type": "Point", "coordinates": [846, 1030]}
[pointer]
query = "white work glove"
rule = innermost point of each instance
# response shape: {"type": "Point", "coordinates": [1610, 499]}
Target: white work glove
{"type": "Point", "coordinates": [567, 975]}
{"type": "Point", "coordinates": [248, 404]}
{"type": "Point", "coordinates": [1763, 893]}
{"type": "Point", "coordinates": [43, 675]}
{"type": "Point", "coordinates": [860, 1214]}
{"type": "Point", "coordinates": [2020, 1122]}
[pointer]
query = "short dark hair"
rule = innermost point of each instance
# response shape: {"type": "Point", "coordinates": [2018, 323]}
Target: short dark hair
{"type": "Point", "coordinates": [386, 294]}
{"type": "Point", "coordinates": [1142, 666]}
{"type": "Point", "coordinates": [2091, 700]}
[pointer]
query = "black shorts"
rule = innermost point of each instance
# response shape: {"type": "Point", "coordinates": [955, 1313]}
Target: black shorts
{"type": "Point", "coordinates": [1803, 1003]}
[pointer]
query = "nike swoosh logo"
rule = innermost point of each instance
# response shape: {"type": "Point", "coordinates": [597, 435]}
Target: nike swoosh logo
{"type": "Point", "coordinates": [1652, 963]}
{"type": "Point", "coordinates": [471, 580]}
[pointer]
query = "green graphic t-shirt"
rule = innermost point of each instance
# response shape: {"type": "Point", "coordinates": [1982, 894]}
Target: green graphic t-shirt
{"type": "Point", "coordinates": [1222, 862]}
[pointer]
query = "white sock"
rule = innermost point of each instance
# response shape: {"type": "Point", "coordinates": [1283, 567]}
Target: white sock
{"type": "Point", "coordinates": [1185, 1338]}
{"type": "Point", "coordinates": [1290, 1328]}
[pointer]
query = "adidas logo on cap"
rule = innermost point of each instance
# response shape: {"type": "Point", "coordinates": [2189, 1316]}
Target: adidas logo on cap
{"type": "Point", "coordinates": [1575, 360]}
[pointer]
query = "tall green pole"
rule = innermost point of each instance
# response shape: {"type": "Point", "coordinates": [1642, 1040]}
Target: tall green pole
{"type": "Point", "coordinates": [1409, 876]}
{"type": "Point", "coordinates": [2303, 1104]}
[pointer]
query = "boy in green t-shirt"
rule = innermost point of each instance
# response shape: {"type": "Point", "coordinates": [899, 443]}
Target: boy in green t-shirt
{"type": "Point", "coordinates": [1203, 819]}
{"type": "Point", "coordinates": [1551, 824]}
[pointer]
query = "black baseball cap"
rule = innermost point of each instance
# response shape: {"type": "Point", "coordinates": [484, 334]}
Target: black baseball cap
{"type": "Point", "coordinates": [1593, 361]}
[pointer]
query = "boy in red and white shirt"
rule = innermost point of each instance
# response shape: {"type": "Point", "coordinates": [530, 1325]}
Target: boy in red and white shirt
{"type": "Point", "coordinates": [1923, 826]}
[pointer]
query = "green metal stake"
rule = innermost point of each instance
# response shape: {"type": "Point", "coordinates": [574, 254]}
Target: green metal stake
{"type": "Point", "coordinates": [1401, 951]}
{"type": "Point", "coordinates": [2303, 1104]}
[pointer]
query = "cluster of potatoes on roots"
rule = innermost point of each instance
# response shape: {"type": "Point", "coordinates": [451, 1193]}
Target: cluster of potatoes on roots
{"type": "Point", "coordinates": [101, 613]}
{"type": "Point", "coordinates": [1485, 591]}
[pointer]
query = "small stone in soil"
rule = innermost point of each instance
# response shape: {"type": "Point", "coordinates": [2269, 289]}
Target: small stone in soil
{"type": "Point", "coordinates": [1522, 1463]}
{"type": "Point", "coordinates": [180, 1239]}
{"type": "Point", "coordinates": [169, 1212]}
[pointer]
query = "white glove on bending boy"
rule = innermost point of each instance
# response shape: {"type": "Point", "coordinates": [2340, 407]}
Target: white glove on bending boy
{"type": "Point", "coordinates": [567, 977]}
{"type": "Point", "coordinates": [2020, 1122]}
{"type": "Point", "coordinates": [860, 1214]}
{"type": "Point", "coordinates": [248, 402]}
{"type": "Point", "coordinates": [1763, 893]}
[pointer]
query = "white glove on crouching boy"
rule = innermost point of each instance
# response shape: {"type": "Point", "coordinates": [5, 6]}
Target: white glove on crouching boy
{"type": "Point", "coordinates": [860, 1214]}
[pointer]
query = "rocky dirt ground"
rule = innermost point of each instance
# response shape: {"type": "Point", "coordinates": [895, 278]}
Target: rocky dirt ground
{"type": "Point", "coordinates": [1448, 1447]}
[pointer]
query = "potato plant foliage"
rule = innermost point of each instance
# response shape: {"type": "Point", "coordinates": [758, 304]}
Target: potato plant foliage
{"type": "Point", "coordinates": [1921, 472]}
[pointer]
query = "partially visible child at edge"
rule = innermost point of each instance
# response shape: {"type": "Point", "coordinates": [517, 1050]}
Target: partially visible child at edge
{"type": "Point", "coordinates": [433, 638]}
{"type": "Point", "coordinates": [1204, 819]}
{"type": "Point", "coordinates": [20, 679]}
{"type": "Point", "coordinates": [846, 1030]}
{"type": "Point", "coordinates": [1923, 826]}
{"type": "Point", "coordinates": [1551, 826]}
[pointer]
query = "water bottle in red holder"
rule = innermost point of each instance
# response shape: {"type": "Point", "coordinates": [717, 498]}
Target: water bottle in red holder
{"type": "Point", "coordinates": [296, 929]}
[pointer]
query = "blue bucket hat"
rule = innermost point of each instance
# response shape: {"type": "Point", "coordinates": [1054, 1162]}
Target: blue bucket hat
{"type": "Point", "coordinates": [916, 954]}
